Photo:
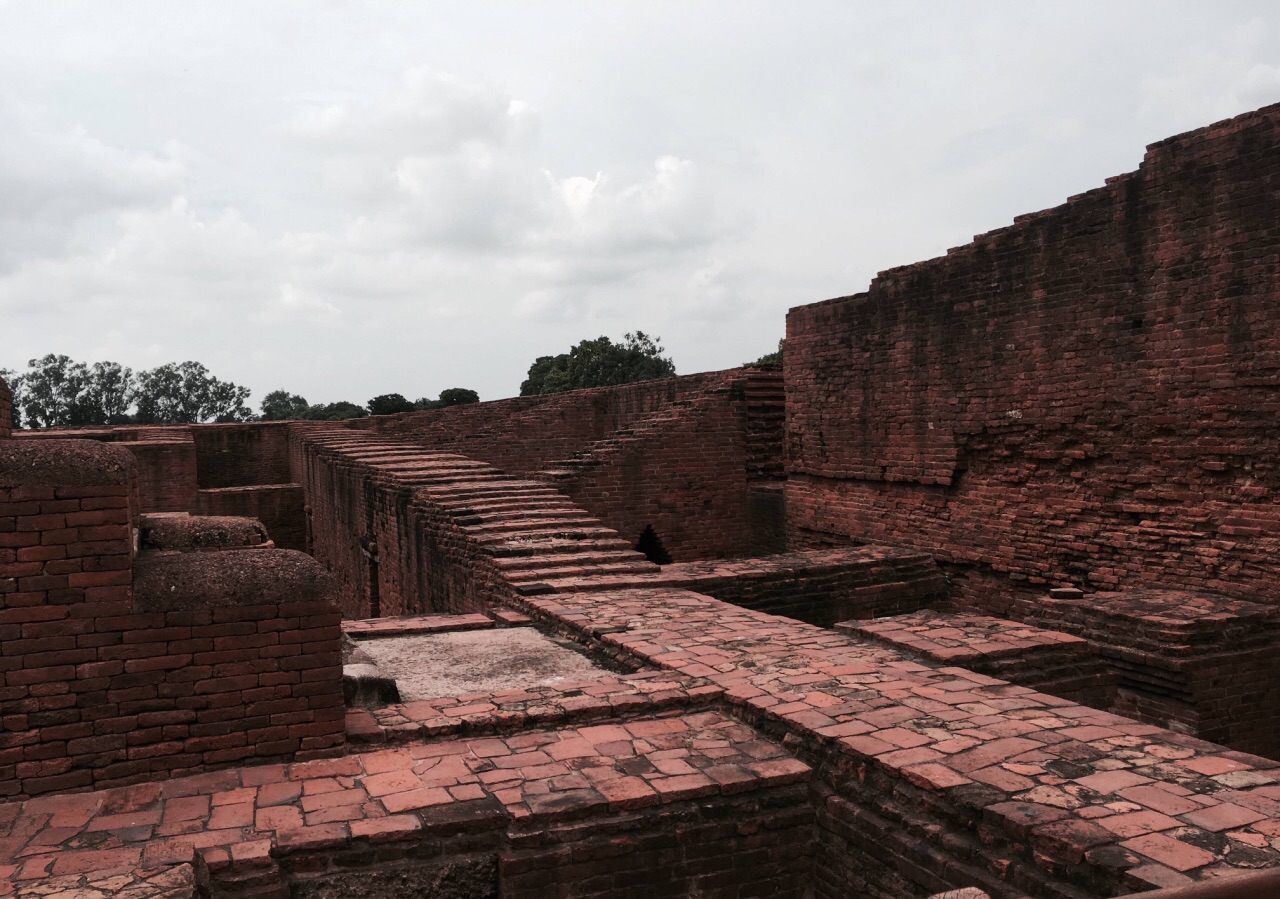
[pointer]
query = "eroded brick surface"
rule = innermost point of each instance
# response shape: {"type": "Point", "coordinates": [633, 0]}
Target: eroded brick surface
{"type": "Point", "coordinates": [524, 782]}
{"type": "Point", "coordinates": [1203, 663]}
{"type": "Point", "coordinates": [1085, 397]}
{"type": "Point", "coordinates": [1049, 661]}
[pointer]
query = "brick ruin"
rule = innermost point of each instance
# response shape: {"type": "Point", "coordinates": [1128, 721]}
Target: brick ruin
{"type": "Point", "coordinates": [977, 592]}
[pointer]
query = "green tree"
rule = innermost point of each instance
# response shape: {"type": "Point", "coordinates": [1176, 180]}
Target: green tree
{"type": "Point", "coordinates": [339, 411]}
{"type": "Point", "coordinates": [458, 396]}
{"type": "Point", "coordinates": [51, 391]}
{"type": "Point", "coordinates": [599, 363]}
{"type": "Point", "coordinates": [770, 360]}
{"type": "Point", "coordinates": [453, 396]}
{"type": "Point", "coordinates": [107, 395]}
{"type": "Point", "coordinates": [186, 393]}
{"type": "Point", "coordinates": [389, 404]}
{"type": "Point", "coordinates": [279, 405]}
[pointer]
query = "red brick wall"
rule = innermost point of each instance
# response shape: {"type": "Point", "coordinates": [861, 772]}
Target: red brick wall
{"type": "Point", "coordinates": [242, 455]}
{"type": "Point", "coordinates": [166, 474]}
{"type": "Point", "coordinates": [6, 409]}
{"type": "Point", "coordinates": [1087, 396]}
{"type": "Point", "coordinates": [524, 434]}
{"type": "Point", "coordinates": [684, 473]}
{"type": "Point", "coordinates": [206, 659]}
{"type": "Point", "coordinates": [280, 507]}
{"type": "Point", "coordinates": [819, 588]}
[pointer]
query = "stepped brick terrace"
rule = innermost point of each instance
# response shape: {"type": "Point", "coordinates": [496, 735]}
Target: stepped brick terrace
{"type": "Point", "coordinates": [977, 592]}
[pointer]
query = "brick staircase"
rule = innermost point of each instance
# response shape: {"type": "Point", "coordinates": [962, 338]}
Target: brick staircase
{"type": "Point", "coordinates": [526, 531]}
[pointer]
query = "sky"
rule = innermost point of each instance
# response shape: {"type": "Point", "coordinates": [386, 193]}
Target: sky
{"type": "Point", "coordinates": [349, 199]}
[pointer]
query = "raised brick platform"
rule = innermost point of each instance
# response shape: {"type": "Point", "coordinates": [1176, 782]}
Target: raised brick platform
{"type": "Point", "coordinates": [1198, 663]}
{"type": "Point", "coordinates": [1049, 661]}
{"type": "Point", "coordinates": [526, 813]}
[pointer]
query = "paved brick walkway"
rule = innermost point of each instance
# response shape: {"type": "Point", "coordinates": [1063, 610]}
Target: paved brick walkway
{"type": "Point", "coordinates": [245, 816]}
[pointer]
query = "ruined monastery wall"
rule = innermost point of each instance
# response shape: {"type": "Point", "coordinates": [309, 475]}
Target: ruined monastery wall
{"type": "Point", "coordinates": [1086, 397]}
{"type": "Point", "coordinates": [242, 455]}
{"type": "Point", "coordinates": [524, 434]}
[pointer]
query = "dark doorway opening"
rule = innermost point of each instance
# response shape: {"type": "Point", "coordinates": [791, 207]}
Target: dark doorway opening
{"type": "Point", "coordinates": [370, 552]}
{"type": "Point", "coordinates": [651, 545]}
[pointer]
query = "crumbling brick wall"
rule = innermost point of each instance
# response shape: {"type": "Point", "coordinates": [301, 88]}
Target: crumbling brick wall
{"type": "Point", "coordinates": [1085, 397]}
{"type": "Point", "coordinates": [523, 434]}
{"type": "Point", "coordinates": [242, 455]}
{"type": "Point", "coordinates": [683, 473]}
{"type": "Point", "coordinates": [6, 410]}
{"type": "Point", "coordinates": [280, 507]}
{"type": "Point", "coordinates": [203, 660]}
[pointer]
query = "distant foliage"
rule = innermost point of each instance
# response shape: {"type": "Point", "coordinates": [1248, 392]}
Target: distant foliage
{"type": "Point", "coordinates": [56, 391]}
{"type": "Point", "coordinates": [770, 360]}
{"type": "Point", "coordinates": [281, 405]}
{"type": "Point", "coordinates": [389, 404]}
{"type": "Point", "coordinates": [339, 411]}
{"type": "Point", "coordinates": [453, 396]}
{"type": "Point", "coordinates": [599, 363]}
{"type": "Point", "coordinates": [186, 393]}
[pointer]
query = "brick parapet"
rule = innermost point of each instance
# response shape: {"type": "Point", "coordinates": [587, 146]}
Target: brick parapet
{"type": "Point", "coordinates": [1085, 397]}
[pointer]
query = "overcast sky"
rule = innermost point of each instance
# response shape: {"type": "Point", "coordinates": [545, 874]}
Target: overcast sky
{"type": "Point", "coordinates": [347, 199]}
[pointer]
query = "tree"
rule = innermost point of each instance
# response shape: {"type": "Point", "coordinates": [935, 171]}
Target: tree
{"type": "Point", "coordinates": [770, 360]}
{"type": "Point", "coordinates": [389, 404]}
{"type": "Point", "coordinates": [339, 411]}
{"type": "Point", "coordinates": [279, 405]}
{"type": "Point", "coordinates": [108, 394]}
{"type": "Point", "coordinates": [458, 396]}
{"type": "Point", "coordinates": [51, 391]}
{"type": "Point", "coordinates": [187, 393]}
{"type": "Point", "coordinates": [453, 396]}
{"type": "Point", "coordinates": [599, 363]}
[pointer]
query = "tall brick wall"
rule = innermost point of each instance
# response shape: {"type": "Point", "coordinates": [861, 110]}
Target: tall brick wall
{"type": "Point", "coordinates": [1088, 396]}
{"type": "Point", "coordinates": [682, 472]}
{"type": "Point", "coordinates": [6, 410]}
{"type": "Point", "coordinates": [242, 455]}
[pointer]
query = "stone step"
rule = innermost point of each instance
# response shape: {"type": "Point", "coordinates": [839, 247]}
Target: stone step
{"type": "Point", "coordinates": [517, 564]}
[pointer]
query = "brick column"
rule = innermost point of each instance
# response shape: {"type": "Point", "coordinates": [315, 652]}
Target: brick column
{"type": "Point", "coordinates": [6, 410]}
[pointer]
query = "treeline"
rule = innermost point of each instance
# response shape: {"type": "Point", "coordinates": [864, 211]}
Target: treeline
{"type": "Point", "coordinates": [56, 392]}
{"type": "Point", "coordinates": [279, 405]}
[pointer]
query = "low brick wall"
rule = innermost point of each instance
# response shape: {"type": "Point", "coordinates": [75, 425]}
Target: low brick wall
{"type": "Point", "coordinates": [1200, 663]}
{"type": "Point", "coordinates": [280, 507]}
{"type": "Point", "coordinates": [1048, 661]}
{"type": "Point", "coordinates": [200, 533]}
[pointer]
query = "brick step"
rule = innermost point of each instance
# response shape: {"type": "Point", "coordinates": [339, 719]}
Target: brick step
{"type": "Point", "coordinates": [560, 511]}
{"type": "Point", "coordinates": [510, 488]}
{"type": "Point", "coordinates": [517, 564]}
{"type": "Point", "coordinates": [519, 504]}
{"type": "Point", "coordinates": [567, 531]}
{"type": "Point", "coordinates": [532, 575]}
{"type": "Point", "coordinates": [556, 546]}
{"type": "Point", "coordinates": [522, 526]}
